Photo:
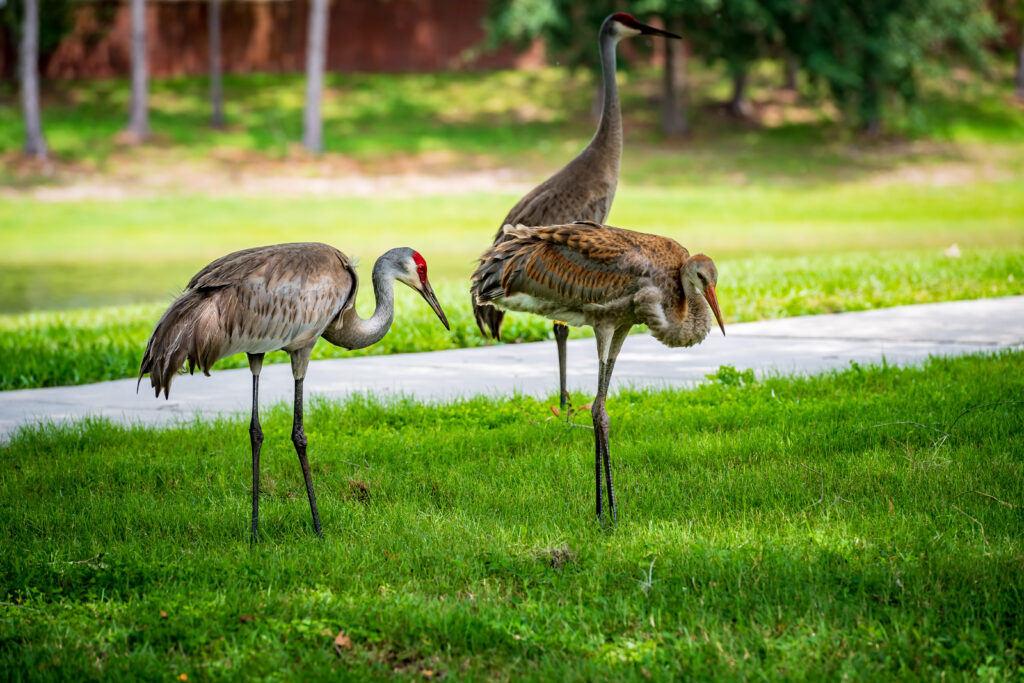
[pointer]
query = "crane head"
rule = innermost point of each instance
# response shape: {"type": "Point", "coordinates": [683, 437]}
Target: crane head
{"type": "Point", "coordinates": [702, 274]}
{"type": "Point", "coordinates": [412, 271]}
{"type": "Point", "coordinates": [621, 25]}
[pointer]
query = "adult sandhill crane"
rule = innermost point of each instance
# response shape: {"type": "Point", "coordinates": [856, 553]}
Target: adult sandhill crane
{"type": "Point", "coordinates": [584, 189]}
{"type": "Point", "coordinates": [283, 296]}
{"type": "Point", "coordinates": [610, 279]}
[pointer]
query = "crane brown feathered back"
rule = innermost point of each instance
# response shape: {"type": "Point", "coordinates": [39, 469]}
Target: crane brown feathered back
{"type": "Point", "coordinates": [258, 300]}
{"type": "Point", "coordinates": [588, 272]}
{"type": "Point", "coordinates": [585, 261]}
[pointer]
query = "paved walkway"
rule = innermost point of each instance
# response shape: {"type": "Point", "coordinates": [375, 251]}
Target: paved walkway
{"type": "Point", "coordinates": [809, 344]}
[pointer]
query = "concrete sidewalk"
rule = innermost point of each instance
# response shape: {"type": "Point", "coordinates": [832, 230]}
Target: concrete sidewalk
{"type": "Point", "coordinates": [806, 345]}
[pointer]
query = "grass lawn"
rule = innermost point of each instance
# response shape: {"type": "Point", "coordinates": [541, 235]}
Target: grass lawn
{"type": "Point", "coordinates": [82, 346]}
{"type": "Point", "coordinates": [768, 529]}
{"type": "Point", "coordinates": [536, 115]}
{"type": "Point", "coordinates": [799, 217]}
{"type": "Point", "coordinates": [780, 252]}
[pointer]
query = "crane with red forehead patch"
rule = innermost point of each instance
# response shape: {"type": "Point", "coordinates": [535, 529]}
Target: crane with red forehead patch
{"type": "Point", "coordinates": [584, 188]}
{"type": "Point", "coordinates": [279, 297]}
{"type": "Point", "coordinates": [608, 279]}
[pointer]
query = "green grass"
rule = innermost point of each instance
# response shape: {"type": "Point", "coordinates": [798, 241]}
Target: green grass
{"type": "Point", "coordinates": [365, 115]}
{"type": "Point", "coordinates": [780, 252]}
{"type": "Point", "coordinates": [512, 118]}
{"type": "Point", "coordinates": [181, 234]}
{"type": "Point", "coordinates": [800, 218]}
{"type": "Point", "coordinates": [783, 532]}
{"type": "Point", "coordinates": [79, 347]}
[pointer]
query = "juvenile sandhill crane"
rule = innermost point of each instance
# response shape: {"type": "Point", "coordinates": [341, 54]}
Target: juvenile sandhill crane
{"type": "Point", "coordinates": [609, 279]}
{"type": "Point", "coordinates": [584, 189]}
{"type": "Point", "coordinates": [283, 296]}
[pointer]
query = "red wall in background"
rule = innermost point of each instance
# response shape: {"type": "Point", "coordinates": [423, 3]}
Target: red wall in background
{"type": "Point", "coordinates": [364, 35]}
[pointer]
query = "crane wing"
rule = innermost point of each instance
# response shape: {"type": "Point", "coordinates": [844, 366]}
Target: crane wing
{"type": "Point", "coordinates": [270, 292]}
{"type": "Point", "coordinates": [530, 210]}
{"type": "Point", "coordinates": [550, 205]}
{"type": "Point", "coordinates": [274, 263]}
{"type": "Point", "coordinates": [582, 190]}
{"type": "Point", "coordinates": [582, 262]}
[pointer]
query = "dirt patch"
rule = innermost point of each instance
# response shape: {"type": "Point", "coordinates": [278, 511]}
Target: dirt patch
{"type": "Point", "coordinates": [558, 557]}
{"type": "Point", "coordinates": [943, 175]}
{"type": "Point", "coordinates": [359, 490]}
{"type": "Point", "coordinates": [154, 172]}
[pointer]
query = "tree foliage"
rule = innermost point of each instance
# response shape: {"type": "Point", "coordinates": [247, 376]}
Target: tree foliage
{"type": "Point", "coordinates": [56, 19]}
{"type": "Point", "coordinates": [568, 29]}
{"type": "Point", "coordinates": [871, 51]}
{"type": "Point", "coordinates": [866, 53]}
{"type": "Point", "coordinates": [732, 32]}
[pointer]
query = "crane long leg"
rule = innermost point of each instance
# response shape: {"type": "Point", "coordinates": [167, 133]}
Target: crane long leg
{"type": "Point", "coordinates": [603, 337]}
{"type": "Point", "coordinates": [255, 440]}
{"type": "Point", "coordinates": [600, 434]}
{"type": "Point", "coordinates": [300, 361]}
{"type": "Point", "coordinates": [613, 353]}
{"type": "Point", "coordinates": [299, 439]}
{"type": "Point", "coordinates": [608, 347]}
{"type": "Point", "coordinates": [561, 335]}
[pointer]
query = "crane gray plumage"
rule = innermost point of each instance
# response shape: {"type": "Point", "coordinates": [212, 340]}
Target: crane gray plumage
{"type": "Point", "coordinates": [583, 190]}
{"type": "Point", "coordinates": [255, 300]}
{"type": "Point", "coordinates": [284, 296]}
{"type": "Point", "coordinates": [608, 279]}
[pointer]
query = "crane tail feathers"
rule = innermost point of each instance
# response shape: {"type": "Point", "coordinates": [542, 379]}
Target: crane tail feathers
{"type": "Point", "coordinates": [487, 284]}
{"type": "Point", "coordinates": [184, 333]}
{"type": "Point", "coordinates": [488, 319]}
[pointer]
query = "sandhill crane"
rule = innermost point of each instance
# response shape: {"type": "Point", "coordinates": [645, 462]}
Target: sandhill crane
{"type": "Point", "coordinates": [610, 279]}
{"type": "Point", "coordinates": [584, 189]}
{"type": "Point", "coordinates": [283, 296]}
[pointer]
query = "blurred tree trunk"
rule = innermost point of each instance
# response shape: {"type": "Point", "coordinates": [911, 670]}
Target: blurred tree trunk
{"type": "Point", "coordinates": [316, 56]}
{"type": "Point", "coordinates": [737, 105]}
{"type": "Point", "coordinates": [138, 122]}
{"type": "Point", "coordinates": [791, 73]}
{"type": "Point", "coordinates": [1020, 64]}
{"type": "Point", "coordinates": [216, 79]}
{"type": "Point", "coordinates": [871, 96]}
{"type": "Point", "coordinates": [673, 111]}
{"type": "Point", "coordinates": [35, 144]}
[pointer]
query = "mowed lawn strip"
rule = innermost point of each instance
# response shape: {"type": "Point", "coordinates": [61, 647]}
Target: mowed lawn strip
{"type": "Point", "coordinates": [78, 347]}
{"type": "Point", "coordinates": [83, 346]}
{"type": "Point", "coordinates": [452, 230]}
{"type": "Point", "coordinates": [780, 252]}
{"type": "Point", "coordinates": [526, 114]}
{"type": "Point", "coordinates": [799, 217]}
{"type": "Point", "coordinates": [782, 528]}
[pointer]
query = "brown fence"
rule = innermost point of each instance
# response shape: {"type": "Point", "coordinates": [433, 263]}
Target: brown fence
{"type": "Point", "coordinates": [270, 36]}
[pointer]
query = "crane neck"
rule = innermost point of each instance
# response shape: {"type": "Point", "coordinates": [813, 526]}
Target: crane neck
{"type": "Point", "coordinates": [696, 323]}
{"type": "Point", "coordinates": [609, 130]}
{"type": "Point", "coordinates": [355, 332]}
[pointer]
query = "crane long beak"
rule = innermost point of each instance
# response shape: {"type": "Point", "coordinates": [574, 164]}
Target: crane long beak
{"type": "Point", "coordinates": [651, 31]}
{"type": "Point", "coordinates": [428, 294]}
{"type": "Point", "coordinates": [709, 294]}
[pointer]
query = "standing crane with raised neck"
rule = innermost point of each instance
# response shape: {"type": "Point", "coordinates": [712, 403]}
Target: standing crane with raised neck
{"type": "Point", "coordinates": [284, 296]}
{"type": "Point", "coordinates": [608, 279]}
{"type": "Point", "coordinates": [584, 188]}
